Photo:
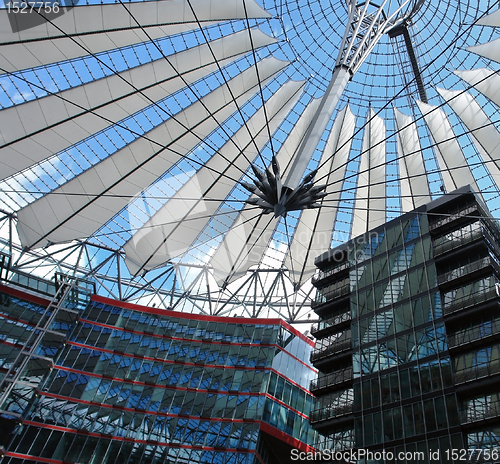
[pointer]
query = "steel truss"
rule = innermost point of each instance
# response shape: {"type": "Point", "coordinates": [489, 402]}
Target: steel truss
{"type": "Point", "coordinates": [36, 358]}
{"type": "Point", "coordinates": [181, 287]}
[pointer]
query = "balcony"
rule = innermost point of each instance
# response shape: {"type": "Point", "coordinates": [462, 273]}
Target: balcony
{"type": "Point", "coordinates": [331, 412]}
{"type": "Point", "coordinates": [341, 440]}
{"type": "Point", "coordinates": [43, 286]}
{"type": "Point", "coordinates": [322, 298]}
{"type": "Point", "coordinates": [477, 372]}
{"type": "Point", "coordinates": [480, 413]}
{"type": "Point", "coordinates": [331, 380]}
{"type": "Point", "coordinates": [338, 345]}
{"type": "Point", "coordinates": [479, 332]}
{"type": "Point", "coordinates": [331, 323]}
{"type": "Point", "coordinates": [469, 301]}
{"type": "Point", "coordinates": [454, 217]}
{"type": "Point", "coordinates": [468, 269]}
{"type": "Point", "coordinates": [457, 240]}
{"type": "Point", "coordinates": [320, 275]}
{"type": "Point", "coordinates": [465, 236]}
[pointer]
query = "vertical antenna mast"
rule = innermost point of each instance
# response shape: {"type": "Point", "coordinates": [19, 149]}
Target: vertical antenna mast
{"type": "Point", "coordinates": [367, 23]}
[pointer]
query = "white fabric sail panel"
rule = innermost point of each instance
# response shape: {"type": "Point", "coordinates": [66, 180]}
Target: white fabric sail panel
{"type": "Point", "coordinates": [225, 261]}
{"type": "Point", "coordinates": [67, 124]}
{"type": "Point", "coordinates": [314, 231]}
{"type": "Point", "coordinates": [490, 50]}
{"type": "Point", "coordinates": [321, 119]}
{"type": "Point", "coordinates": [87, 19]}
{"type": "Point", "coordinates": [484, 80]}
{"type": "Point", "coordinates": [360, 213]}
{"type": "Point", "coordinates": [451, 160]}
{"type": "Point", "coordinates": [484, 134]}
{"type": "Point", "coordinates": [72, 119]}
{"type": "Point", "coordinates": [412, 174]}
{"type": "Point", "coordinates": [299, 259]}
{"type": "Point", "coordinates": [407, 199]}
{"type": "Point", "coordinates": [243, 246]}
{"type": "Point", "coordinates": [377, 204]}
{"type": "Point", "coordinates": [179, 222]}
{"type": "Point", "coordinates": [370, 205]}
{"type": "Point", "coordinates": [295, 137]}
{"type": "Point", "coordinates": [493, 168]}
{"type": "Point", "coordinates": [26, 55]}
{"type": "Point", "coordinates": [492, 19]}
{"type": "Point", "coordinates": [106, 27]}
{"type": "Point", "coordinates": [104, 189]}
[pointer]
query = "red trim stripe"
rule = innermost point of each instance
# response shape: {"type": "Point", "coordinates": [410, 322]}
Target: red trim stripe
{"type": "Point", "coordinates": [282, 436]}
{"type": "Point", "coordinates": [13, 345]}
{"type": "Point", "coordinates": [15, 319]}
{"type": "Point", "coordinates": [135, 382]}
{"type": "Point", "coordinates": [165, 387]}
{"type": "Point", "coordinates": [164, 312]}
{"type": "Point", "coordinates": [28, 457]}
{"type": "Point", "coordinates": [99, 324]}
{"type": "Point", "coordinates": [257, 455]}
{"type": "Point", "coordinates": [165, 361]}
{"type": "Point", "coordinates": [201, 317]}
{"type": "Point", "coordinates": [168, 361]}
{"type": "Point", "coordinates": [168, 337]}
{"type": "Point", "coordinates": [142, 411]}
{"type": "Point", "coordinates": [264, 427]}
{"type": "Point", "coordinates": [131, 440]}
{"type": "Point", "coordinates": [23, 295]}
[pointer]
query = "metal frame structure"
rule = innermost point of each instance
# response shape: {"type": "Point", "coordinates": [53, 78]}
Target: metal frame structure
{"type": "Point", "coordinates": [85, 202]}
{"type": "Point", "coordinates": [17, 387]}
{"type": "Point", "coordinates": [261, 293]}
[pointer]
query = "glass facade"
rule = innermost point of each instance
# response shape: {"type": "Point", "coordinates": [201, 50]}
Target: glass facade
{"type": "Point", "coordinates": [407, 343]}
{"type": "Point", "coordinates": [123, 383]}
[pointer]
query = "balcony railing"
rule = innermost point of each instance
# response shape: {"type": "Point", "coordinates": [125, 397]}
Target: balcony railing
{"type": "Point", "coordinates": [23, 279]}
{"type": "Point", "coordinates": [447, 243]}
{"type": "Point", "coordinates": [480, 413]}
{"type": "Point", "coordinates": [466, 269]}
{"type": "Point", "coordinates": [342, 440]}
{"type": "Point", "coordinates": [330, 380]}
{"type": "Point", "coordinates": [474, 333]}
{"type": "Point", "coordinates": [449, 219]}
{"type": "Point", "coordinates": [331, 322]}
{"type": "Point", "coordinates": [320, 275]}
{"type": "Point", "coordinates": [477, 372]}
{"type": "Point", "coordinates": [331, 295]}
{"type": "Point", "coordinates": [465, 236]}
{"type": "Point", "coordinates": [331, 412]}
{"type": "Point", "coordinates": [470, 300]}
{"type": "Point", "coordinates": [337, 345]}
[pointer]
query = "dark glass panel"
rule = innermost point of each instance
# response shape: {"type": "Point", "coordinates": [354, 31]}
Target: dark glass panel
{"type": "Point", "coordinates": [409, 421]}
{"type": "Point", "coordinates": [418, 417]}
{"type": "Point", "coordinates": [430, 417]}
{"type": "Point", "coordinates": [242, 406]}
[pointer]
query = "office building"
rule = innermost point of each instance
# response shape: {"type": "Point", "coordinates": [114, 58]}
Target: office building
{"type": "Point", "coordinates": [128, 135]}
{"type": "Point", "coordinates": [408, 342]}
{"type": "Point", "coordinates": [87, 379]}
{"type": "Point", "coordinates": [144, 144]}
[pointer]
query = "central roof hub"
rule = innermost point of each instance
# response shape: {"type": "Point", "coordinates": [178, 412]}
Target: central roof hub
{"type": "Point", "coordinates": [273, 197]}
